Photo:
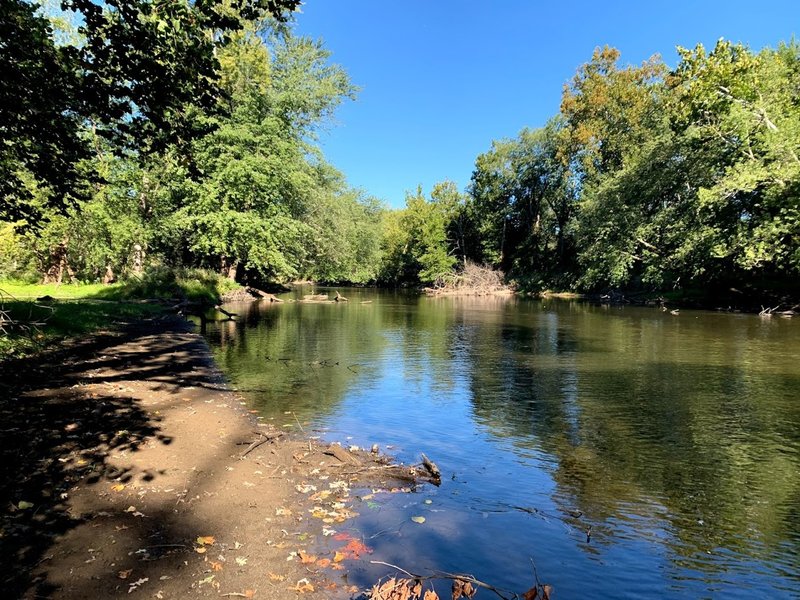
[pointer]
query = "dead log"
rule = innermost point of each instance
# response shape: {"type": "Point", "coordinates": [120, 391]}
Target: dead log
{"type": "Point", "coordinates": [431, 467]}
{"type": "Point", "coordinates": [231, 316]}
{"type": "Point", "coordinates": [263, 294]}
{"type": "Point", "coordinates": [341, 454]}
{"type": "Point", "coordinates": [340, 298]}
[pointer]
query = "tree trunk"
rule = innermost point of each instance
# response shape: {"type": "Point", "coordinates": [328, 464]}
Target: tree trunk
{"type": "Point", "coordinates": [138, 259]}
{"type": "Point", "coordinates": [228, 268]}
{"type": "Point", "coordinates": [58, 265]}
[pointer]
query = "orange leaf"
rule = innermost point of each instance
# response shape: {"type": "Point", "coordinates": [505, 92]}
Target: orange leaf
{"type": "Point", "coordinates": [339, 557]}
{"type": "Point", "coordinates": [275, 576]}
{"type": "Point", "coordinates": [124, 574]}
{"type": "Point", "coordinates": [216, 566]}
{"type": "Point", "coordinates": [206, 540]}
{"type": "Point", "coordinates": [354, 549]}
{"type": "Point", "coordinates": [306, 558]}
{"type": "Point", "coordinates": [324, 562]}
{"type": "Point", "coordinates": [249, 593]}
{"type": "Point", "coordinates": [118, 487]}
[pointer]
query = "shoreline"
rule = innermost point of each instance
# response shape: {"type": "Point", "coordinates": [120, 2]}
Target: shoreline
{"type": "Point", "coordinates": [132, 468]}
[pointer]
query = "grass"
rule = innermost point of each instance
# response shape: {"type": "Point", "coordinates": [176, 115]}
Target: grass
{"type": "Point", "coordinates": [25, 291]}
{"type": "Point", "coordinates": [39, 326]}
{"type": "Point", "coordinates": [80, 309]}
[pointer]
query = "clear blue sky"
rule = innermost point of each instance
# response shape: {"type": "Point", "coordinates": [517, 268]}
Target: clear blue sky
{"type": "Point", "coordinates": [440, 79]}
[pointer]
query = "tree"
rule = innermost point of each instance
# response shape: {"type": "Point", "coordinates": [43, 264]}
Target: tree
{"type": "Point", "coordinates": [415, 244]}
{"type": "Point", "coordinates": [260, 176]}
{"type": "Point", "coordinates": [138, 76]}
{"type": "Point", "coordinates": [524, 199]}
{"type": "Point", "coordinates": [40, 127]}
{"type": "Point", "coordinates": [742, 109]}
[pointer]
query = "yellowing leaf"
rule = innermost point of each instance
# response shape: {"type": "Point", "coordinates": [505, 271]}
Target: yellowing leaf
{"type": "Point", "coordinates": [206, 540]}
{"type": "Point", "coordinates": [339, 557]}
{"type": "Point", "coordinates": [276, 577]}
{"type": "Point", "coordinates": [118, 487]}
{"type": "Point", "coordinates": [23, 505]}
{"type": "Point", "coordinates": [418, 519]}
{"type": "Point", "coordinates": [200, 550]}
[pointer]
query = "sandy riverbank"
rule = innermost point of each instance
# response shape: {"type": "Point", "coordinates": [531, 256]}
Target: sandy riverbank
{"type": "Point", "coordinates": [124, 475]}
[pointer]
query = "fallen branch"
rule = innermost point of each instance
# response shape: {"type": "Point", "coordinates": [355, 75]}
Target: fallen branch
{"type": "Point", "coordinates": [462, 586]}
{"type": "Point", "coordinates": [257, 443]}
{"type": "Point", "coordinates": [431, 467]}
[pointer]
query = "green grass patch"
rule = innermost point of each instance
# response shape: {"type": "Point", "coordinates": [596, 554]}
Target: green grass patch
{"type": "Point", "coordinates": [30, 326]}
{"type": "Point", "coordinates": [27, 291]}
{"type": "Point", "coordinates": [36, 326]}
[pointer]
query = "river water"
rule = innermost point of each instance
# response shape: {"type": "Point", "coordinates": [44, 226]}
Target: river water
{"type": "Point", "coordinates": [621, 452]}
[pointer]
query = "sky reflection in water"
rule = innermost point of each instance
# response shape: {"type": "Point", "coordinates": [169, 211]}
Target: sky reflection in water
{"type": "Point", "coordinates": [674, 439]}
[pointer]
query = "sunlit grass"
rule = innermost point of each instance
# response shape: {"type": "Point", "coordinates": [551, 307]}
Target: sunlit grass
{"type": "Point", "coordinates": [30, 325]}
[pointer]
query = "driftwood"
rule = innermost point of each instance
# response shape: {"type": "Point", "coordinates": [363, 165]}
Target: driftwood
{"type": "Point", "coordinates": [340, 298]}
{"type": "Point", "coordinates": [264, 439]}
{"type": "Point", "coordinates": [263, 294]}
{"type": "Point", "coordinates": [231, 316]}
{"type": "Point", "coordinates": [473, 280]}
{"type": "Point", "coordinates": [341, 454]}
{"type": "Point", "coordinates": [431, 467]}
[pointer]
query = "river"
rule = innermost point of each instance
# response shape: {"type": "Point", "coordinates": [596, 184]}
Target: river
{"type": "Point", "coordinates": [620, 452]}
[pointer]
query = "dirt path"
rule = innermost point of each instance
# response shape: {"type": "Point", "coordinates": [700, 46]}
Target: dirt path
{"type": "Point", "coordinates": [123, 475]}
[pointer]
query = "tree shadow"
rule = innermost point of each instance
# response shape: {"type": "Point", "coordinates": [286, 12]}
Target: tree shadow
{"type": "Point", "coordinates": [56, 433]}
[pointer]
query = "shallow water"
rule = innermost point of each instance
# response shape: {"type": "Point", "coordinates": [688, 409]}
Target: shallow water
{"type": "Point", "coordinates": [625, 452]}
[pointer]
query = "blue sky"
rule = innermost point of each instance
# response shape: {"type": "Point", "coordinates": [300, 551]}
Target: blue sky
{"type": "Point", "coordinates": [440, 79]}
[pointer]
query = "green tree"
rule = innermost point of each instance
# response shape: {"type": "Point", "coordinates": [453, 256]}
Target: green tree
{"type": "Point", "coordinates": [136, 76]}
{"type": "Point", "coordinates": [415, 244]}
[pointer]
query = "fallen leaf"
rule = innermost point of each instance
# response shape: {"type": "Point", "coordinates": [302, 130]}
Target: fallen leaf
{"type": "Point", "coordinates": [306, 558]}
{"type": "Point", "coordinates": [324, 562]}
{"type": "Point", "coordinates": [249, 593]}
{"type": "Point", "coordinates": [137, 583]}
{"type": "Point", "coordinates": [200, 550]}
{"type": "Point", "coordinates": [276, 577]}
{"type": "Point", "coordinates": [206, 540]}
{"type": "Point", "coordinates": [124, 574]}
{"type": "Point", "coordinates": [339, 557]}
{"type": "Point", "coordinates": [118, 487]}
{"type": "Point", "coordinates": [302, 586]}
{"type": "Point", "coordinates": [23, 505]}
{"type": "Point", "coordinates": [354, 549]}
{"type": "Point", "coordinates": [463, 589]}
{"type": "Point", "coordinates": [216, 566]}
{"type": "Point", "coordinates": [418, 519]}
{"type": "Point", "coordinates": [241, 561]}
